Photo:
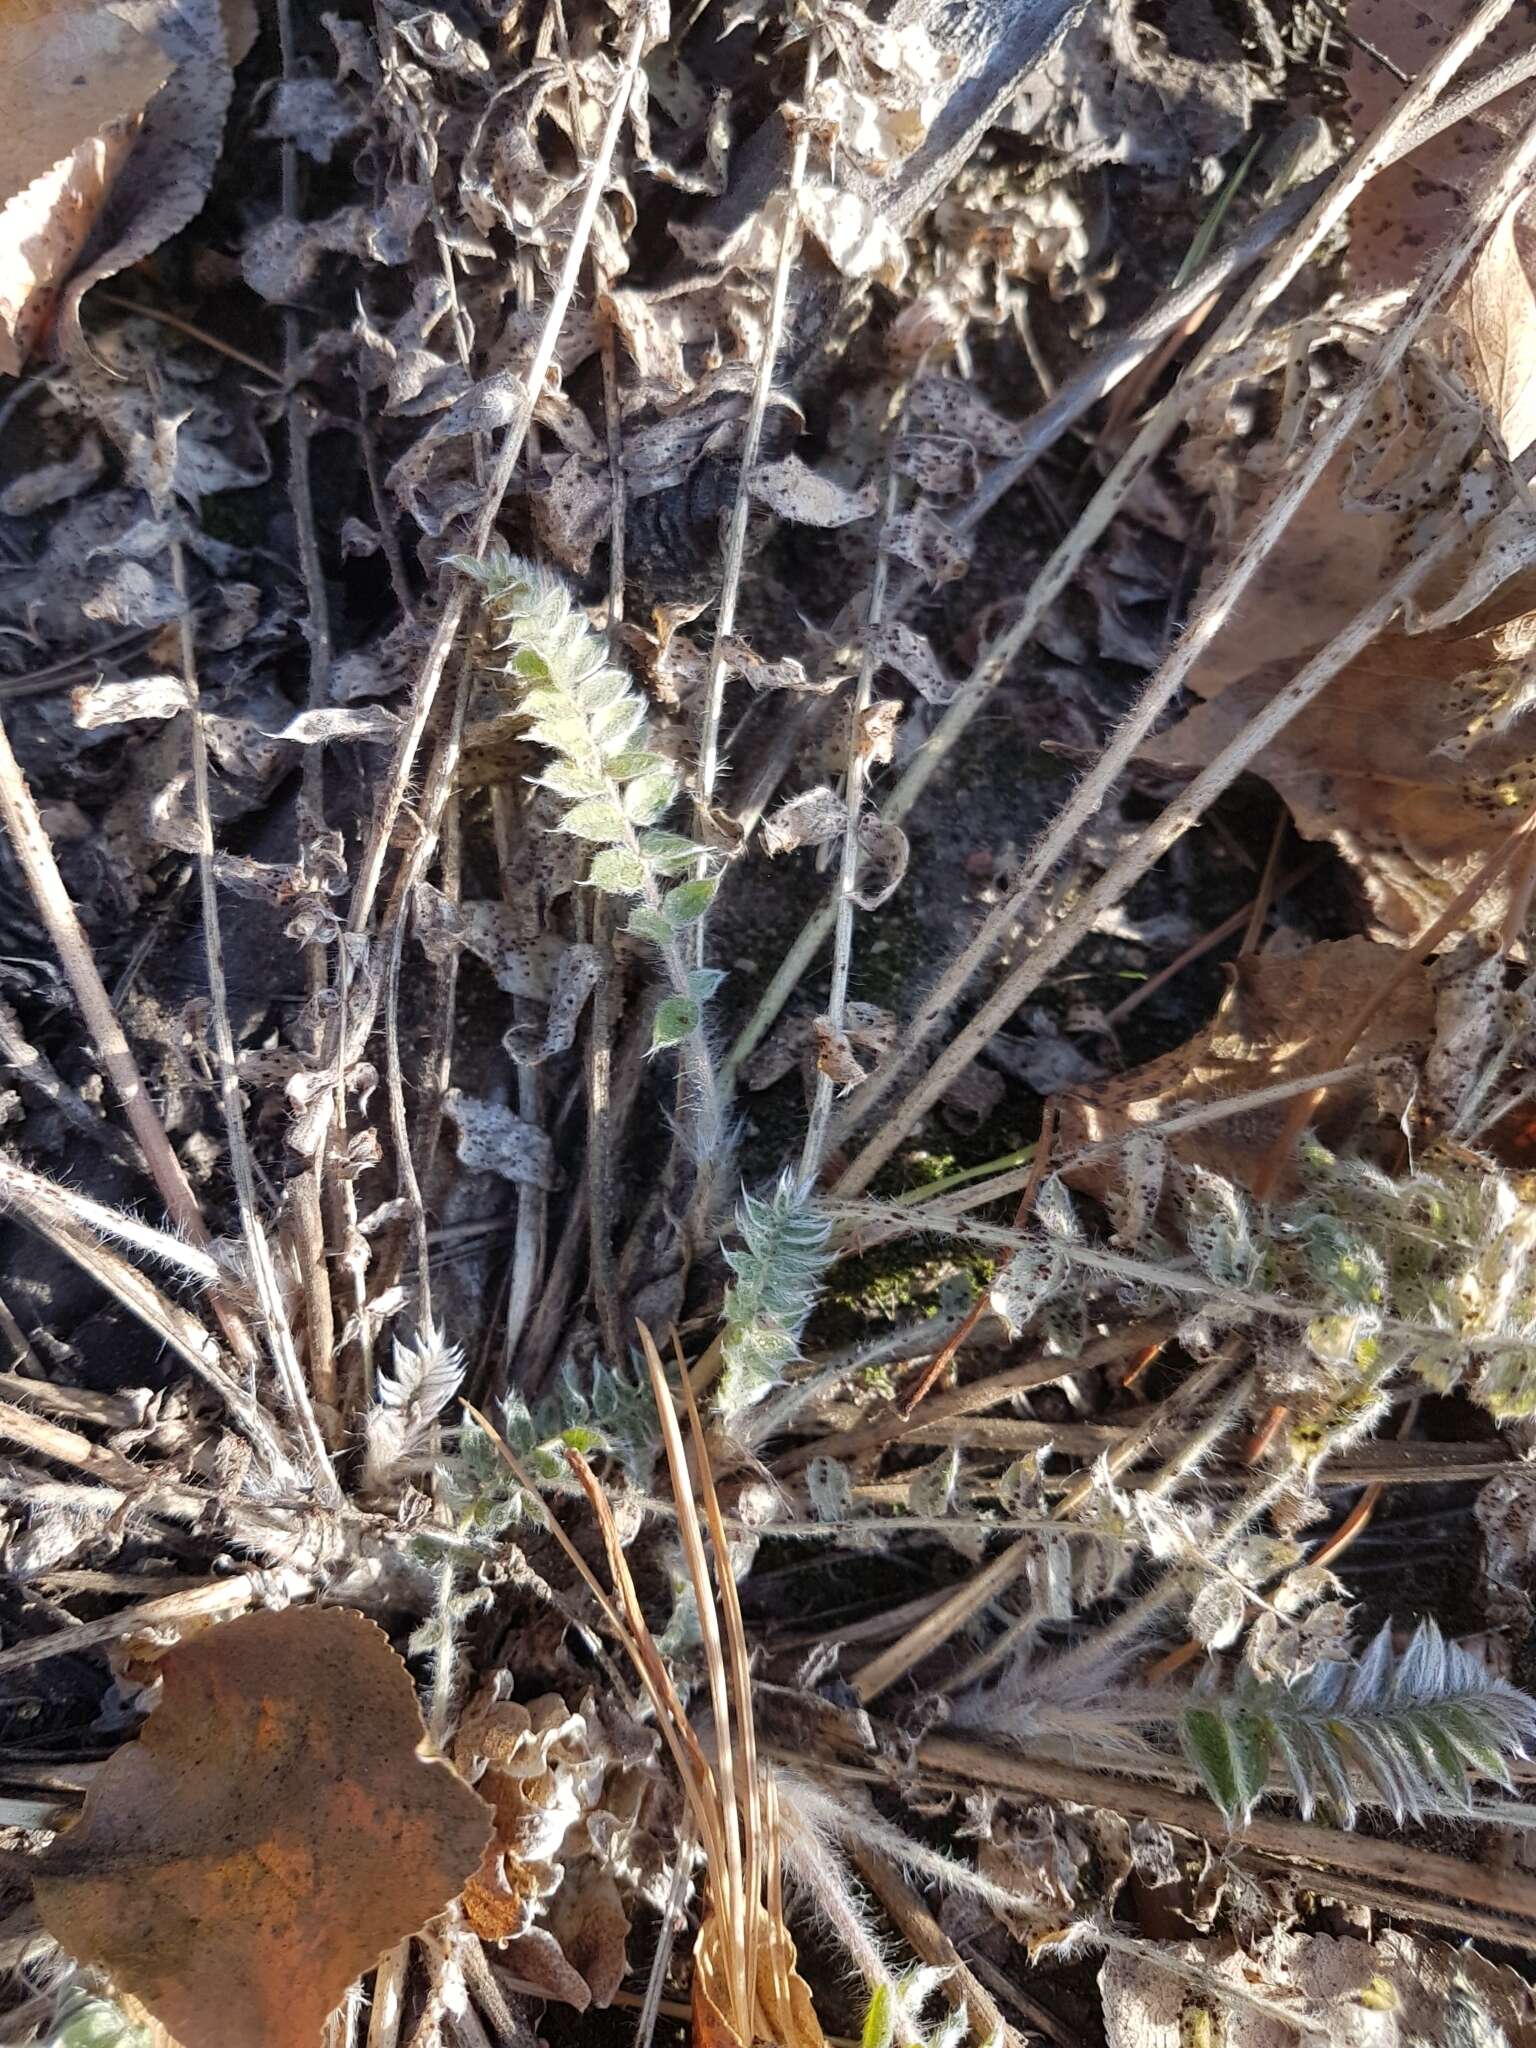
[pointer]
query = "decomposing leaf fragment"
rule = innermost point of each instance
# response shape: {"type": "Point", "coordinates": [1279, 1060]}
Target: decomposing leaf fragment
{"type": "Point", "coordinates": [274, 1829]}
{"type": "Point", "coordinates": [1273, 1023]}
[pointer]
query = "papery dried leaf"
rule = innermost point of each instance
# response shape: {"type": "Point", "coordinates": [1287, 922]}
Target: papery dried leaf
{"type": "Point", "coordinates": [941, 464]}
{"type": "Point", "coordinates": [167, 176]}
{"type": "Point", "coordinates": [922, 540]}
{"type": "Point", "coordinates": [834, 1055]}
{"type": "Point", "coordinates": [572, 513]}
{"type": "Point", "coordinates": [878, 723]}
{"type": "Point", "coordinates": [762, 674]}
{"type": "Point", "coordinates": [910, 653]}
{"type": "Point", "coordinates": [812, 818]}
{"type": "Point", "coordinates": [1413, 763]}
{"type": "Point", "coordinates": [588, 1919]}
{"type": "Point", "coordinates": [953, 406]}
{"type": "Point", "coordinates": [784, 2015]}
{"type": "Point", "coordinates": [51, 483]}
{"type": "Point", "coordinates": [74, 78]}
{"type": "Point", "coordinates": [861, 241]}
{"type": "Point", "coordinates": [884, 851]}
{"type": "Point", "coordinates": [577, 972]}
{"type": "Point", "coordinates": [273, 1830]}
{"type": "Point", "coordinates": [492, 1139]}
{"type": "Point", "coordinates": [1275, 1020]}
{"type": "Point", "coordinates": [95, 705]}
{"type": "Point", "coordinates": [798, 493]}
{"type": "Point", "coordinates": [368, 722]}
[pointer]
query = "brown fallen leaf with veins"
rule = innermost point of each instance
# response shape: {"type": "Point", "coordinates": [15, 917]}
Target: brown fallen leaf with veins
{"type": "Point", "coordinates": [74, 80]}
{"type": "Point", "coordinates": [1274, 1022]}
{"type": "Point", "coordinates": [272, 1832]}
{"type": "Point", "coordinates": [1418, 757]}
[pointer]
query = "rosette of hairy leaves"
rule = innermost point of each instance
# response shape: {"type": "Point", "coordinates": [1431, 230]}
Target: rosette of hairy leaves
{"type": "Point", "coordinates": [776, 1271]}
{"type": "Point", "coordinates": [616, 790]}
{"type": "Point", "coordinates": [1405, 1731]}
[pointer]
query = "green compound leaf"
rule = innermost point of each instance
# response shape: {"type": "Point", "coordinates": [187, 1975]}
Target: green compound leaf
{"type": "Point", "coordinates": [618, 872]}
{"type": "Point", "coordinates": [675, 1019]}
{"type": "Point", "coordinates": [649, 924]}
{"type": "Point", "coordinates": [650, 795]}
{"type": "Point", "coordinates": [1207, 1742]}
{"type": "Point", "coordinates": [595, 820]}
{"type": "Point", "coordinates": [687, 903]}
{"type": "Point", "coordinates": [879, 2028]}
{"type": "Point", "coordinates": [669, 853]}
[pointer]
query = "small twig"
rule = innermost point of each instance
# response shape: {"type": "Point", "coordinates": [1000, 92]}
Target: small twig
{"type": "Point", "coordinates": [939, 1365]}
{"type": "Point", "coordinates": [976, 1396]}
{"type": "Point", "coordinates": [100, 296]}
{"type": "Point", "coordinates": [34, 856]}
{"type": "Point", "coordinates": [20, 1186]}
{"type": "Point", "coordinates": [962, 1989]}
{"type": "Point", "coordinates": [1239, 921]}
{"type": "Point", "coordinates": [853, 800]}
{"type": "Point", "coordinates": [239, 1591]}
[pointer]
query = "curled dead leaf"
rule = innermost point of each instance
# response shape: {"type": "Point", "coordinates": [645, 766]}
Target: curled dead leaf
{"type": "Point", "coordinates": [274, 1829]}
{"type": "Point", "coordinates": [74, 80]}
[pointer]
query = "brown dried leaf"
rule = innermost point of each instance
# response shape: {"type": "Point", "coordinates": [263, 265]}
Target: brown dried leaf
{"type": "Point", "coordinates": [784, 2014]}
{"type": "Point", "coordinates": [1274, 1022]}
{"type": "Point", "coordinates": [74, 78]}
{"type": "Point", "coordinates": [166, 179]}
{"type": "Point", "coordinates": [1409, 208]}
{"type": "Point", "coordinates": [834, 1055]}
{"type": "Point", "coordinates": [1414, 762]}
{"type": "Point", "coordinates": [922, 540]}
{"type": "Point", "coordinates": [274, 1829]}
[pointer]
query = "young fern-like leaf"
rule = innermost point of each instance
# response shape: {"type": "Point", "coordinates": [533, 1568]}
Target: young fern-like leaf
{"type": "Point", "coordinates": [593, 722]}
{"type": "Point", "coordinates": [777, 1270]}
{"type": "Point", "coordinates": [1405, 1731]}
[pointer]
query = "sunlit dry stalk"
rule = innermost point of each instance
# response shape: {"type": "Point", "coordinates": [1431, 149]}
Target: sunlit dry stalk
{"type": "Point", "coordinates": [34, 856]}
{"type": "Point", "coordinates": [20, 1185]}
{"type": "Point", "coordinates": [166, 1319]}
{"type": "Point", "coordinates": [1178, 817]}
